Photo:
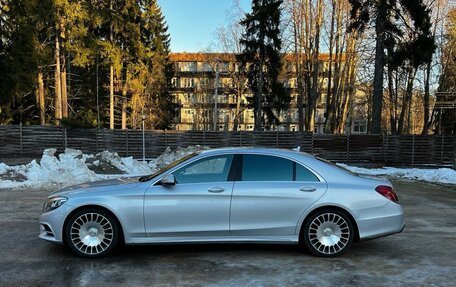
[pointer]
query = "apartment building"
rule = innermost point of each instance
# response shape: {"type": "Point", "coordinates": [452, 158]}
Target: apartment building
{"type": "Point", "coordinates": [206, 93]}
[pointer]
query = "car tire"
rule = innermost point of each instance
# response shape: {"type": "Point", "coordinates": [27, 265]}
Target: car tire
{"type": "Point", "coordinates": [91, 233]}
{"type": "Point", "coordinates": [328, 233]}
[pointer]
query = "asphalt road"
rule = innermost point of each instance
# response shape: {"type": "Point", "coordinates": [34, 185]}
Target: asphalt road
{"type": "Point", "coordinates": [423, 255]}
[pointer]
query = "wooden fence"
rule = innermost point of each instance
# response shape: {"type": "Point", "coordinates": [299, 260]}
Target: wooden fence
{"type": "Point", "coordinates": [30, 141]}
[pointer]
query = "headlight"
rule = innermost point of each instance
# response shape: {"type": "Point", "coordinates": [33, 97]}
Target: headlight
{"type": "Point", "coordinates": [54, 202]}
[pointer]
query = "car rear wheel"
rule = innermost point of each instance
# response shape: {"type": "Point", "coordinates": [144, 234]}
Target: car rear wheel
{"type": "Point", "coordinates": [91, 233]}
{"type": "Point", "coordinates": [328, 233]}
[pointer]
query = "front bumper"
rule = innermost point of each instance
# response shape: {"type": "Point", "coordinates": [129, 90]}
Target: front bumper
{"type": "Point", "coordinates": [51, 223]}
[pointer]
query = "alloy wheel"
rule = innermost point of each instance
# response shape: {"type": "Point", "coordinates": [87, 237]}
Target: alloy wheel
{"type": "Point", "coordinates": [91, 233]}
{"type": "Point", "coordinates": [329, 234]}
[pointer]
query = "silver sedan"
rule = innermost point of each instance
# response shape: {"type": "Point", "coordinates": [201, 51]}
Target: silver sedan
{"type": "Point", "coordinates": [226, 195]}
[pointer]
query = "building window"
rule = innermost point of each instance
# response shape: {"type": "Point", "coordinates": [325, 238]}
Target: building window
{"type": "Point", "coordinates": [188, 83]}
{"type": "Point", "coordinates": [175, 82]}
{"type": "Point", "coordinates": [360, 127]}
{"type": "Point", "coordinates": [187, 66]}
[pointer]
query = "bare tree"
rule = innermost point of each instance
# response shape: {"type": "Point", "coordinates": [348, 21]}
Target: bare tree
{"type": "Point", "coordinates": [227, 41]}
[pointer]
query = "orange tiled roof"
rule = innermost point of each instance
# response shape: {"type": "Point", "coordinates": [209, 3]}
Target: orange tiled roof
{"type": "Point", "coordinates": [227, 57]}
{"type": "Point", "coordinates": [201, 57]}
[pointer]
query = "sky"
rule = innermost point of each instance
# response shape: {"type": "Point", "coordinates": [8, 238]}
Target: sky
{"type": "Point", "coordinates": [192, 23]}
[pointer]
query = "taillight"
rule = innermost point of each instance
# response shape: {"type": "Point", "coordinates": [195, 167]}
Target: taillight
{"type": "Point", "coordinates": [388, 192]}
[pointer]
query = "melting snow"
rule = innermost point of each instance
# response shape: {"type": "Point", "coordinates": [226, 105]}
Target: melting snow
{"type": "Point", "coordinates": [439, 175]}
{"type": "Point", "coordinates": [74, 167]}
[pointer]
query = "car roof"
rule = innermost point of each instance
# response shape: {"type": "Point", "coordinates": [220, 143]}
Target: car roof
{"type": "Point", "coordinates": [255, 150]}
{"type": "Point", "coordinates": [323, 169]}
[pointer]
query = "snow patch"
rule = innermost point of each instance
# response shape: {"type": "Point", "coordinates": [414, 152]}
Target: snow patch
{"type": "Point", "coordinates": [440, 175]}
{"type": "Point", "coordinates": [74, 167]}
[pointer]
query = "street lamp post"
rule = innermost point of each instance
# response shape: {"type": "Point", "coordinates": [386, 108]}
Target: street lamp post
{"type": "Point", "coordinates": [143, 138]}
{"type": "Point", "coordinates": [215, 115]}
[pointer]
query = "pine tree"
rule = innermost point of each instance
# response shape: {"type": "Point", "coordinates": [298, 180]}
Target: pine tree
{"type": "Point", "coordinates": [386, 16]}
{"type": "Point", "coordinates": [446, 118]}
{"type": "Point", "coordinates": [23, 49]}
{"type": "Point", "coordinates": [155, 38]}
{"type": "Point", "coordinates": [261, 57]}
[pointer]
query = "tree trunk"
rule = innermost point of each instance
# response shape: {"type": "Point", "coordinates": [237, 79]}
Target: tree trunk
{"type": "Point", "coordinates": [406, 101]}
{"type": "Point", "coordinates": [297, 26]}
{"type": "Point", "coordinates": [336, 94]}
{"type": "Point", "coordinates": [349, 82]}
{"type": "Point", "coordinates": [111, 75]}
{"type": "Point", "coordinates": [315, 73]}
{"type": "Point", "coordinates": [57, 79]}
{"type": "Point", "coordinates": [377, 100]}
{"type": "Point", "coordinates": [64, 89]}
{"type": "Point", "coordinates": [259, 92]}
{"type": "Point", "coordinates": [426, 98]}
{"type": "Point", "coordinates": [41, 100]}
{"type": "Point", "coordinates": [124, 101]}
{"type": "Point", "coordinates": [329, 111]}
{"type": "Point", "coordinates": [124, 114]}
{"type": "Point", "coordinates": [238, 107]}
{"type": "Point", "coordinates": [63, 73]}
{"type": "Point", "coordinates": [392, 107]}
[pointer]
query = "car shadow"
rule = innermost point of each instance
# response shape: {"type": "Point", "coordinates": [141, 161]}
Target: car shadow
{"type": "Point", "coordinates": [206, 248]}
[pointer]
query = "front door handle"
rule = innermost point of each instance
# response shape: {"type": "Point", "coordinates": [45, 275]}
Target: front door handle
{"type": "Point", "coordinates": [216, 189]}
{"type": "Point", "coordinates": [307, 188]}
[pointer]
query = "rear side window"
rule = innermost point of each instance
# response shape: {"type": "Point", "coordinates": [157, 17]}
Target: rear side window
{"type": "Point", "coordinates": [272, 168]}
{"type": "Point", "coordinates": [303, 174]}
{"type": "Point", "coordinates": [266, 168]}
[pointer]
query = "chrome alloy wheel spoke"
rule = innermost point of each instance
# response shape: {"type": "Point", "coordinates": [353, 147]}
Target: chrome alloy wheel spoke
{"type": "Point", "coordinates": [91, 233]}
{"type": "Point", "coordinates": [329, 233]}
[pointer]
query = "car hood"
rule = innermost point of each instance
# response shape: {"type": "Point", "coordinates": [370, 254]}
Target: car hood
{"type": "Point", "coordinates": [102, 185]}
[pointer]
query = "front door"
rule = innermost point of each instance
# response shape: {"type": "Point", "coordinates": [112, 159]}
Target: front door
{"type": "Point", "coordinates": [197, 207]}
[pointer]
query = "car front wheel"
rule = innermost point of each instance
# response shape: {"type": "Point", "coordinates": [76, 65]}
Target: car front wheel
{"type": "Point", "coordinates": [91, 233]}
{"type": "Point", "coordinates": [328, 233]}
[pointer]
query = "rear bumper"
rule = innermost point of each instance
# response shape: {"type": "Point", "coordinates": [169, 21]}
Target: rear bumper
{"type": "Point", "coordinates": [389, 222]}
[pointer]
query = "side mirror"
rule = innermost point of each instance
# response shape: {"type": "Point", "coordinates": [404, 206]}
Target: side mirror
{"type": "Point", "coordinates": [168, 179]}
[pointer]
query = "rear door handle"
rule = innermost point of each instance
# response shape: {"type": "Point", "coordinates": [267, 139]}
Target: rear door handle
{"type": "Point", "coordinates": [216, 189]}
{"type": "Point", "coordinates": [307, 188]}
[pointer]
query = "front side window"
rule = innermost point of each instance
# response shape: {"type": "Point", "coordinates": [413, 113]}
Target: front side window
{"type": "Point", "coordinates": [211, 169]}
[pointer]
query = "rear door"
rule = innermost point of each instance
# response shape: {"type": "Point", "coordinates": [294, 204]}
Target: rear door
{"type": "Point", "coordinates": [272, 194]}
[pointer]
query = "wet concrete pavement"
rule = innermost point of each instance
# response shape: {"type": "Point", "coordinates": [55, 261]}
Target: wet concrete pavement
{"type": "Point", "coordinates": [423, 255]}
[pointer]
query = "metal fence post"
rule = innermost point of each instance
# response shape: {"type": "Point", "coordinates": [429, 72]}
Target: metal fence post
{"type": "Point", "coordinates": [204, 138]}
{"type": "Point", "coordinates": [240, 138]}
{"type": "Point", "coordinates": [277, 139]}
{"type": "Point", "coordinates": [20, 137]}
{"type": "Point", "coordinates": [126, 141]}
{"type": "Point", "coordinates": [454, 152]}
{"type": "Point", "coordinates": [312, 144]}
{"type": "Point", "coordinates": [348, 148]}
{"type": "Point", "coordinates": [442, 146]}
{"type": "Point", "coordinates": [387, 149]}
{"type": "Point", "coordinates": [96, 140]}
{"type": "Point", "coordinates": [143, 142]}
{"type": "Point", "coordinates": [65, 139]}
{"type": "Point", "coordinates": [413, 149]}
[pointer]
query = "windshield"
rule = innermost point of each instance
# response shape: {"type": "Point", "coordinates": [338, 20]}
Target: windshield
{"type": "Point", "coordinates": [338, 166]}
{"type": "Point", "coordinates": [168, 167]}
